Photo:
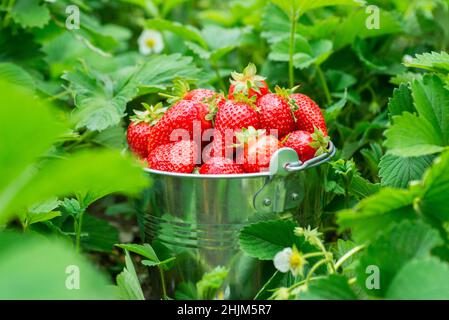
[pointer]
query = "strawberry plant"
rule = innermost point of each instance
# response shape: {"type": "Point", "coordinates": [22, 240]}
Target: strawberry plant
{"type": "Point", "coordinates": [102, 100]}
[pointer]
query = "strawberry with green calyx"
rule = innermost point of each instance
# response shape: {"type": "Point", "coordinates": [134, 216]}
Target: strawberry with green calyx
{"type": "Point", "coordinates": [180, 157]}
{"type": "Point", "coordinates": [248, 83]}
{"type": "Point", "coordinates": [307, 113]}
{"type": "Point", "coordinates": [221, 165]}
{"type": "Point", "coordinates": [258, 148]}
{"type": "Point", "coordinates": [181, 91]}
{"type": "Point", "coordinates": [182, 116]}
{"type": "Point", "coordinates": [275, 112]}
{"type": "Point", "coordinates": [139, 130]}
{"type": "Point", "coordinates": [307, 145]}
{"type": "Point", "coordinates": [232, 117]}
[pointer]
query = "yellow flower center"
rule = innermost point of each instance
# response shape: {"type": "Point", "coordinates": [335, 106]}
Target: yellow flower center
{"type": "Point", "coordinates": [150, 43]}
{"type": "Point", "coordinates": [296, 260]}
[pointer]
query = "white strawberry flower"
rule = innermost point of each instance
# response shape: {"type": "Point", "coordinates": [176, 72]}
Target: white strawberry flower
{"type": "Point", "coordinates": [150, 41]}
{"type": "Point", "coordinates": [290, 259]}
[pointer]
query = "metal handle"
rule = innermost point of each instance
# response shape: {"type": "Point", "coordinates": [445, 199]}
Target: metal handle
{"type": "Point", "coordinates": [298, 166]}
{"type": "Point", "coordinates": [286, 161]}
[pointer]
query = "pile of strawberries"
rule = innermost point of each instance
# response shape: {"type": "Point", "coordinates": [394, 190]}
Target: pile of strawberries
{"type": "Point", "coordinates": [205, 133]}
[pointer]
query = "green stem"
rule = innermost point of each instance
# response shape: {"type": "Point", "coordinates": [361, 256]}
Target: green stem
{"type": "Point", "coordinates": [220, 79]}
{"type": "Point", "coordinates": [78, 224]}
{"type": "Point", "coordinates": [347, 255]}
{"type": "Point", "coordinates": [347, 187]}
{"type": "Point", "coordinates": [7, 18]}
{"type": "Point", "coordinates": [164, 288]}
{"type": "Point", "coordinates": [324, 84]}
{"type": "Point", "coordinates": [314, 268]}
{"type": "Point", "coordinates": [314, 254]}
{"type": "Point", "coordinates": [291, 67]}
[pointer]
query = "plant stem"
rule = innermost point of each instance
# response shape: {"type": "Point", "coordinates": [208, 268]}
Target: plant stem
{"type": "Point", "coordinates": [164, 289]}
{"type": "Point", "coordinates": [220, 79]}
{"type": "Point", "coordinates": [291, 67]}
{"type": "Point", "coordinates": [7, 17]}
{"type": "Point", "coordinates": [347, 255]}
{"type": "Point", "coordinates": [324, 84]}
{"type": "Point", "coordinates": [79, 223]}
{"type": "Point", "coordinates": [314, 268]}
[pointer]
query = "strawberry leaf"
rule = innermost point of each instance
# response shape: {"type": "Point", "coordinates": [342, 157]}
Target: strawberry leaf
{"type": "Point", "coordinates": [398, 172]}
{"type": "Point", "coordinates": [394, 249]}
{"type": "Point", "coordinates": [413, 136]}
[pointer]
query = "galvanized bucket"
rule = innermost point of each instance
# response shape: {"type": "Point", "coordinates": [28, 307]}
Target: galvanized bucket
{"type": "Point", "coordinates": [199, 217]}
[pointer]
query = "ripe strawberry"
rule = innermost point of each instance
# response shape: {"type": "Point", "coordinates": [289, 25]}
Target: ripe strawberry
{"type": "Point", "coordinates": [248, 83]}
{"type": "Point", "coordinates": [220, 165]}
{"type": "Point", "coordinates": [307, 113]}
{"type": "Point", "coordinates": [258, 147]}
{"type": "Point", "coordinates": [232, 117]}
{"type": "Point", "coordinates": [179, 157]}
{"type": "Point", "coordinates": [182, 116]}
{"type": "Point", "coordinates": [199, 95]}
{"type": "Point", "coordinates": [307, 145]}
{"type": "Point", "coordinates": [139, 130]}
{"type": "Point", "coordinates": [181, 91]}
{"type": "Point", "coordinates": [275, 114]}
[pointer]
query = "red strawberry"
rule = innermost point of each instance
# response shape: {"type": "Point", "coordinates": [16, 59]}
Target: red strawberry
{"type": "Point", "coordinates": [232, 117]}
{"type": "Point", "coordinates": [178, 157]}
{"type": "Point", "coordinates": [220, 165]}
{"type": "Point", "coordinates": [139, 130]}
{"type": "Point", "coordinates": [258, 147]}
{"type": "Point", "coordinates": [275, 114]}
{"type": "Point", "coordinates": [181, 91]}
{"type": "Point", "coordinates": [307, 145]}
{"type": "Point", "coordinates": [199, 95]}
{"type": "Point", "coordinates": [307, 113]}
{"type": "Point", "coordinates": [181, 116]}
{"type": "Point", "coordinates": [248, 83]}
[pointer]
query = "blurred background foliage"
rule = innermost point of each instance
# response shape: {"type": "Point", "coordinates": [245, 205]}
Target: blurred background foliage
{"type": "Point", "coordinates": [66, 96]}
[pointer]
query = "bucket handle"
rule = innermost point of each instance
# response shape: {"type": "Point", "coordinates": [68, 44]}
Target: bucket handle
{"type": "Point", "coordinates": [286, 161]}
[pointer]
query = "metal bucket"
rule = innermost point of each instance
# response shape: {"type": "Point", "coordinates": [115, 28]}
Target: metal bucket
{"type": "Point", "coordinates": [199, 218]}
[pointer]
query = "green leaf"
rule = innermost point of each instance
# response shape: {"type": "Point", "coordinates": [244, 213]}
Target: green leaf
{"type": "Point", "coordinates": [376, 213]}
{"type": "Point", "coordinates": [295, 8]}
{"type": "Point", "coordinates": [186, 32]}
{"type": "Point", "coordinates": [393, 249]}
{"type": "Point", "coordinates": [432, 103]}
{"type": "Point", "coordinates": [33, 267]}
{"type": "Point", "coordinates": [362, 188]}
{"type": "Point", "coordinates": [413, 136]}
{"type": "Point", "coordinates": [144, 250]}
{"type": "Point", "coordinates": [24, 182]}
{"type": "Point", "coordinates": [264, 239]}
{"type": "Point", "coordinates": [98, 234]}
{"type": "Point", "coordinates": [401, 101]}
{"type": "Point", "coordinates": [218, 37]}
{"type": "Point", "coordinates": [423, 279]}
{"type": "Point", "coordinates": [354, 27]}
{"type": "Point", "coordinates": [333, 287]}
{"type": "Point", "coordinates": [16, 75]}
{"type": "Point", "coordinates": [433, 61]}
{"type": "Point", "coordinates": [306, 54]}
{"type": "Point", "coordinates": [211, 282]}
{"type": "Point", "coordinates": [435, 184]}
{"type": "Point", "coordinates": [128, 282]}
{"type": "Point", "coordinates": [397, 172]}
{"type": "Point", "coordinates": [331, 113]}
{"type": "Point", "coordinates": [101, 98]}
{"type": "Point", "coordinates": [42, 216]}
{"type": "Point", "coordinates": [30, 14]}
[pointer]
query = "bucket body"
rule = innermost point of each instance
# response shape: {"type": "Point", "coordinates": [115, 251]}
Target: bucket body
{"type": "Point", "coordinates": [198, 217]}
